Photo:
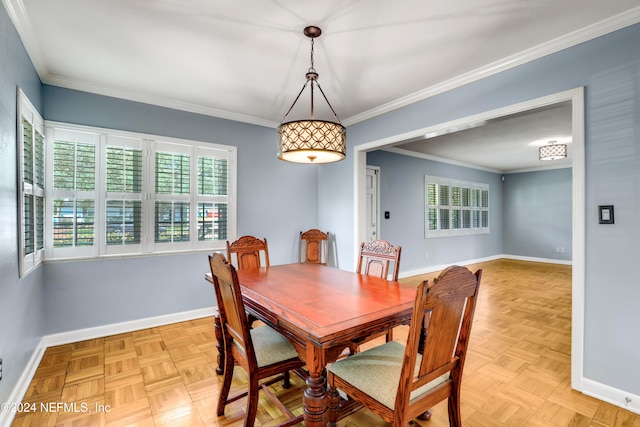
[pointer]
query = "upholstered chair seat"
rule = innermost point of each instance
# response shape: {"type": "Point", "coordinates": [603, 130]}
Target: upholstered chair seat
{"type": "Point", "coordinates": [376, 372]}
{"type": "Point", "coordinates": [271, 347]}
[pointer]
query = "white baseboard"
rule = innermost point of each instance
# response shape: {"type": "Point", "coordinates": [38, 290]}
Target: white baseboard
{"type": "Point", "coordinates": [534, 259]}
{"type": "Point", "coordinates": [611, 395]}
{"type": "Point", "coordinates": [120, 328]}
{"type": "Point", "coordinates": [6, 418]}
{"type": "Point", "coordinates": [433, 268]}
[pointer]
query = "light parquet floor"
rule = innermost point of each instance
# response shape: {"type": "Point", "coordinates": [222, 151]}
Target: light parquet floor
{"type": "Point", "coordinates": [517, 371]}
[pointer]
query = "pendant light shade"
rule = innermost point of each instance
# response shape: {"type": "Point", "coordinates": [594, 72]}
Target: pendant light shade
{"type": "Point", "coordinates": [312, 141]}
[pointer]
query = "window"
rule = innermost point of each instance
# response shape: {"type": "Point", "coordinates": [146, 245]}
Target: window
{"type": "Point", "coordinates": [71, 193]}
{"type": "Point", "coordinates": [124, 194]}
{"type": "Point", "coordinates": [455, 208]}
{"type": "Point", "coordinates": [120, 193]}
{"type": "Point", "coordinates": [31, 167]}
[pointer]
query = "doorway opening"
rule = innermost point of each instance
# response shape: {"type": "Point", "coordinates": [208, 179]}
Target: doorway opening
{"type": "Point", "coordinates": [576, 97]}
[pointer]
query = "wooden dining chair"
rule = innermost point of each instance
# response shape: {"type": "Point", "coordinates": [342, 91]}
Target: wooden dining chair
{"type": "Point", "coordinates": [247, 250]}
{"type": "Point", "coordinates": [399, 383]}
{"type": "Point", "coordinates": [262, 352]}
{"type": "Point", "coordinates": [374, 260]}
{"type": "Point", "coordinates": [314, 246]}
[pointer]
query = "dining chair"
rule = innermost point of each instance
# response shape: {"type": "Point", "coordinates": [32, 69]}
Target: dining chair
{"type": "Point", "coordinates": [374, 260]}
{"type": "Point", "coordinates": [398, 382]}
{"type": "Point", "coordinates": [262, 352]}
{"type": "Point", "coordinates": [247, 250]}
{"type": "Point", "coordinates": [314, 246]}
{"type": "Point", "coordinates": [376, 256]}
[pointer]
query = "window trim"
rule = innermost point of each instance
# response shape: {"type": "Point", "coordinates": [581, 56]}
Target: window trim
{"type": "Point", "coordinates": [449, 207]}
{"type": "Point", "coordinates": [147, 246]}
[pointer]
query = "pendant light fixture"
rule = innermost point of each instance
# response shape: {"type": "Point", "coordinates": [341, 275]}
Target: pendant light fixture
{"type": "Point", "coordinates": [312, 141]}
{"type": "Point", "coordinates": [552, 151]}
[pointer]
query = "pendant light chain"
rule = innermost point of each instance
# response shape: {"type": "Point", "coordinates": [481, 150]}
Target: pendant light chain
{"type": "Point", "coordinates": [312, 70]}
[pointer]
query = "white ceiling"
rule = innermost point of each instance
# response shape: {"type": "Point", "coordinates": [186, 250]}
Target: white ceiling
{"type": "Point", "coordinates": [506, 144]}
{"type": "Point", "coordinates": [246, 60]}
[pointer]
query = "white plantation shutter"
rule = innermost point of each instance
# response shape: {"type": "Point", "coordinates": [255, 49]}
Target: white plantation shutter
{"type": "Point", "coordinates": [124, 210]}
{"type": "Point", "coordinates": [212, 195]}
{"type": "Point", "coordinates": [455, 207]}
{"type": "Point", "coordinates": [31, 172]}
{"type": "Point", "coordinates": [432, 207]}
{"type": "Point", "coordinates": [72, 194]}
{"type": "Point", "coordinates": [115, 193]}
{"type": "Point", "coordinates": [172, 196]}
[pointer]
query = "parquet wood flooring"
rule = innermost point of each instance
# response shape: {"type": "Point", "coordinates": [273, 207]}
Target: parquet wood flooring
{"type": "Point", "coordinates": [517, 371]}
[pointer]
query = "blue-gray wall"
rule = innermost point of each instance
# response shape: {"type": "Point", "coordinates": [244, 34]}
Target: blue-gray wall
{"type": "Point", "coordinates": [537, 214]}
{"type": "Point", "coordinates": [609, 69]}
{"type": "Point", "coordinates": [402, 194]}
{"type": "Point", "coordinates": [276, 200]}
{"type": "Point", "coordinates": [21, 300]}
{"type": "Point", "coordinates": [530, 213]}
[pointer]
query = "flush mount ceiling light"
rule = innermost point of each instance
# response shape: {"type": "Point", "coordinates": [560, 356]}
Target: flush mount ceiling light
{"type": "Point", "coordinates": [312, 141]}
{"type": "Point", "coordinates": [552, 151]}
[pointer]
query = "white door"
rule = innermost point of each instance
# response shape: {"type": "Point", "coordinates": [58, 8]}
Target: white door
{"type": "Point", "coordinates": [373, 211]}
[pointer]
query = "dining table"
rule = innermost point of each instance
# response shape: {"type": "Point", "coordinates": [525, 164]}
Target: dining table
{"type": "Point", "coordinates": [323, 311]}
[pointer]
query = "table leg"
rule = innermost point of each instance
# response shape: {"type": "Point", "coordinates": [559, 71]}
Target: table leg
{"type": "Point", "coordinates": [315, 399]}
{"type": "Point", "coordinates": [217, 330]}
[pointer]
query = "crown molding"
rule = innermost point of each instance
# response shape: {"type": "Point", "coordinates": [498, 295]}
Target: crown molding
{"type": "Point", "coordinates": [425, 156]}
{"type": "Point", "coordinates": [574, 38]}
{"type": "Point", "coordinates": [156, 101]}
{"type": "Point", "coordinates": [17, 12]}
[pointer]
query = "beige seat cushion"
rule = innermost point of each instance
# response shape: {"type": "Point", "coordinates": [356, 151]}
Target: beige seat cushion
{"type": "Point", "coordinates": [271, 346]}
{"type": "Point", "coordinates": [377, 372]}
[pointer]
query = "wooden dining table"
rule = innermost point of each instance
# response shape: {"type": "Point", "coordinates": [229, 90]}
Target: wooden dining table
{"type": "Point", "coordinates": [322, 311]}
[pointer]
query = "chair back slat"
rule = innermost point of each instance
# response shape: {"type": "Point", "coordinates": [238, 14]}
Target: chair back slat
{"type": "Point", "coordinates": [247, 250]}
{"type": "Point", "coordinates": [375, 259]}
{"type": "Point", "coordinates": [441, 342]}
{"type": "Point", "coordinates": [233, 317]}
{"type": "Point", "coordinates": [314, 246]}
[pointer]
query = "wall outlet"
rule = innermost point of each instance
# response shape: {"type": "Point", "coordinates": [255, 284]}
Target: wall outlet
{"type": "Point", "coordinates": [0, 368]}
{"type": "Point", "coordinates": [427, 256]}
